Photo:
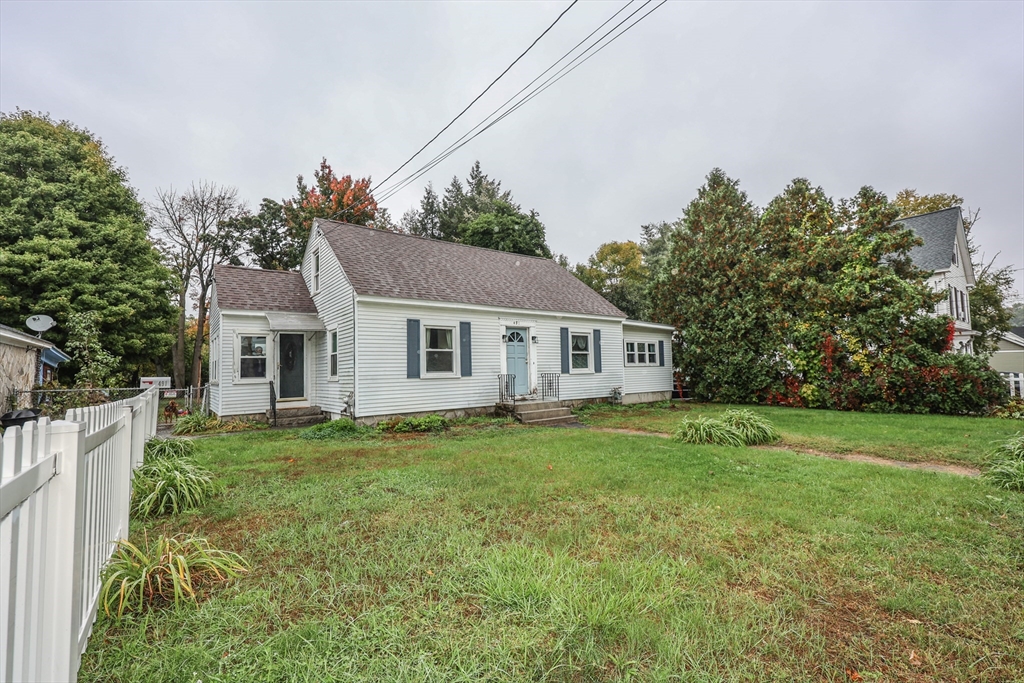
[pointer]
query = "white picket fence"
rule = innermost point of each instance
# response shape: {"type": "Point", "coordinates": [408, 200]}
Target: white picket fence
{"type": "Point", "coordinates": [1016, 382]}
{"type": "Point", "coordinates": [65, 490]}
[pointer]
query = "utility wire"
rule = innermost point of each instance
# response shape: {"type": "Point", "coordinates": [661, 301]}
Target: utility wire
{"type": "Point", "coordinates": [562, 73]}
{"type": "Point", "coordinates": [523, 89]}
{"type": "Point", "coordinates": [536, 40]}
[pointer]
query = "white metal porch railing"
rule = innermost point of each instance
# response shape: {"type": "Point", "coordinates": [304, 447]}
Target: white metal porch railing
{"type": "Point", "coordinates": [64, 501]}
{"type": "Point", "coordinates": [1016, 382]}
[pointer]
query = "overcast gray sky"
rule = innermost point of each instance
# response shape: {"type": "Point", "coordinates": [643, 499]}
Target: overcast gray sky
{"type": "Point", "coordinates": [894, 95]}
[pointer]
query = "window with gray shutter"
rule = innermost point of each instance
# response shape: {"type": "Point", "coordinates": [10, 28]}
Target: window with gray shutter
{"type": "Point", "coordinates": [563, 334]}
{"type": "Point", "coordinates": [412, 348]}
{"type": "Point", "coordinates": [465, 350]}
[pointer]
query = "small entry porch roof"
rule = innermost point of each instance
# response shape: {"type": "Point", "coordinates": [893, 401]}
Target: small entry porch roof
{"type": "Point", "coordinates": [281, 321]}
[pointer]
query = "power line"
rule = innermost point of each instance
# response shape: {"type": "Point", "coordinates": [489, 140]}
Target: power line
{"type": "Point", "coordinates": [536, 40]}
{"type": "Point", "coordinates": [524, 88]}
{"type": "Point", "coordinates": [562, 73]}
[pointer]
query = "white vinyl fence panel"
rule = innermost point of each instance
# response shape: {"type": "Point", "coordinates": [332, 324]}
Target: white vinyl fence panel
{"type": "Point", "coordinates": [65, 491]}
{"type": "Point", "coordinates": [1016, 382]}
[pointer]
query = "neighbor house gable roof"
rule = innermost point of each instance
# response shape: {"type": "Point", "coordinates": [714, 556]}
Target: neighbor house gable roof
{"type": "Point", "coordinates": [393, 265]}
{"type": "Point", "coordinates": [939, 230]}
{"type": "Point", "coordinates": [15, 337]}
{"type": "Point", "coordinates": [254, 289]}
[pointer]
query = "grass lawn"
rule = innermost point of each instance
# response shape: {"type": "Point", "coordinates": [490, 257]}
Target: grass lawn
{"type": "Point", "coordinates": [913, 438]}
{"type": "Point", "coordinates": [516, 553]}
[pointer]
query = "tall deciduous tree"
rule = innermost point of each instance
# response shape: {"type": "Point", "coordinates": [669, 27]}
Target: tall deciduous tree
{"type": "Point", "coordinates": [73, 240]}
{"type": "Point", "coordinates": [617, 272]}
{"type": "Point", "coordinates": [342, 198]}
{"type": "Point", "coordinates": [197, 230]}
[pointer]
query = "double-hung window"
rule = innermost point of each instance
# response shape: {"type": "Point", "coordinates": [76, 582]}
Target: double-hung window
{"type": "Point", "coordinates": [579, 349]}
{"type": "Point", "coordinates": [316, 271]}
{"type": "Point", "coordinates": [440, 349]}
{"type": "Point", "coordinates": [252, 356]}
{"type": "Point", "coordinates": [333, 355]}
{"type": "Point", "coordinates": [630, 353]}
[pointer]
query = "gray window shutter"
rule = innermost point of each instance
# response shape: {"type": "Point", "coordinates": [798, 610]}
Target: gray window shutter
{"type": "Point", "coordinates": [412, 348]}
{"type": "Point", "coordinates": [465, 350]}
{"type": "Point", "coordinates": [661, 352]}
{"type": "Point", "coordinates": [564, 334]}
{"type": "Point", "coordinates": [597, 350]}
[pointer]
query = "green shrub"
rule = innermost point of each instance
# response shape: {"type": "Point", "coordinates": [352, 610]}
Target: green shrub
{"type": "Point", "coordinates": [195, 423]}
{"type": "Point", "coordinates": [335, 429]}
{"type": "Point", "coordinates": [170, 570]}
{"type": "Point", "coordinates": [753, 428]}
{"type": "Point", "coordinates": [427, 423]}
{"type": "Point", "coordinates": [159, 448]}
{"type": "Point", "coordinates": [1014, 410]}
{"type": "Point", "coordinates": [170, 485]}
{"type": "Point", "coordinates": [1005, 468]}
{"type": "Point", "coordinates": [706, 430]}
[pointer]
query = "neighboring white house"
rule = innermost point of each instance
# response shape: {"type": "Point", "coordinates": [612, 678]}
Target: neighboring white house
{"type": "Point", "coordinates": [1009, 356]}
{"type": "Point", "coordinates": [944, 253]}
{"type": "Point", "coordinates": [379, 324]}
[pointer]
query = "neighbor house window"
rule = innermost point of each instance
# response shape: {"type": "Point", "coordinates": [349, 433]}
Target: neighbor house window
{"type": "Point", "coordinates": [630, 353]}
{"type": "Point", "coordinates": [440, 349]}
{"type": "Point", "coordinates": [579, 347]}
{"type": "Point", "coordinates": [252, 356]}
{"type": "Point", "coordinates": [316, 270]}
{"type": "Point", "coordinates": [334, 354]}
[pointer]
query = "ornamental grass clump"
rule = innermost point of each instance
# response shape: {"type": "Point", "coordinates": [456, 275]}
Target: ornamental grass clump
{"type": "Point", "coordinates": [169, 571]}
{"type": "Point", "coordinates": [170, 485]}
{"type": "Point", "coordinates": [195, 423]}
{"type": "Point", "coordinates": [160, 448]}
{"type": "Point", "coordinates": [1005, 468]}
{"type": "Point", "coordinates": [753, 428]}
{"type": "Point", "coordinates": [708, 431]}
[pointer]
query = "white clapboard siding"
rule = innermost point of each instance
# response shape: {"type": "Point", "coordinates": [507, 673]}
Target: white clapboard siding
{"type": "Point", "coordinates": [335, 304]}
{"type": "Point", "coordinates": [215, 353]}
{"type": "Point", "coordinates": [65, 490]}
{"type": "Point", "coordinates": [647, 378]}
{"type": "Point", "coordinates": [238, 396]}
{"type": "Point", "coordinates": [384, 389]}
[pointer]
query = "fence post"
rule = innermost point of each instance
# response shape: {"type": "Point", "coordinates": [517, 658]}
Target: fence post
{"type": "Point", "coordinates": [63, 572]}
{"type": "Point", "coordinates": [124, 469]}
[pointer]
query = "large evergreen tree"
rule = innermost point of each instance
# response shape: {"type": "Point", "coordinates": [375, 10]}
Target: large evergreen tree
{"type": "Point", "coordinates": [477, 212]}
{"type": "Point", "coordinates": [716, 296]}
{"type": "Point", "coordinates": [73, 238]}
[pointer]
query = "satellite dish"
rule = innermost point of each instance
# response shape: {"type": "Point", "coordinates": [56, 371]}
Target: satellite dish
{"type": "Point", "coordinates": [40, 323]}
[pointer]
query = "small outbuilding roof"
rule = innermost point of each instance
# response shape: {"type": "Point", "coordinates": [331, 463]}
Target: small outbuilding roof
{"type": "Point", "coordinates": [394, 265]}
{"type": "Point", "coordinates": [254, 289]}
{"type": "Point", "coordinates": [15, 337]}
{"type": "Point", "coordinates": [938, 230]}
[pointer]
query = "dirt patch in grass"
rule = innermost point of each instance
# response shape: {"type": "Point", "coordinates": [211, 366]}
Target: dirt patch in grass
{"type": "Point", "coordinates": [849, 457]}
{"type": "Point", "coordinates": [875, 460]}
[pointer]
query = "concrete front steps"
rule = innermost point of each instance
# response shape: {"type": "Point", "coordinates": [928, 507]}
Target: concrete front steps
{"type": "Point", "coordinates": [297, 417]}
{"type": "Point", "coordinates": [543, 413]}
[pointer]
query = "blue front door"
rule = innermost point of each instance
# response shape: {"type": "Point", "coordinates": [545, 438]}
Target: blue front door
{"type": "Point", "coordinates": [516, 362]}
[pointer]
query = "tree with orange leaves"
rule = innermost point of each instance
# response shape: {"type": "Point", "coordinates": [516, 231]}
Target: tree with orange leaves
{"type": "Point", "coordinates": [342, 199]}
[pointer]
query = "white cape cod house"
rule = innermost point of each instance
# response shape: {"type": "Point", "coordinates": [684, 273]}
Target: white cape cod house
{"type": "Point", "coordinates": [945, 254]}
{"type": "Point", "coordinates": [379, 324]}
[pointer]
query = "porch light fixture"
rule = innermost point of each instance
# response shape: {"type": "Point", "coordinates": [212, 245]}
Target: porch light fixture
{"type": "Point", "coordinates": [504, 339]}
{"type": "Point", "coordinates": [534, 339]}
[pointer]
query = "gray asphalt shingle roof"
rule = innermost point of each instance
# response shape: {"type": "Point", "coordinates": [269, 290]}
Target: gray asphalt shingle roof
{"type": "Point", "coordinates": [387, 264]}
{"type": "Point", "coordinates": [253, 289]}
{"type": "Point", "coordinates": [938, 230]}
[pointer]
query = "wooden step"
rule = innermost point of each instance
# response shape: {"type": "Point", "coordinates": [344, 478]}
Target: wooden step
{"type": "Point", "coordinates": [553, 421]}
{"type": "Point", "coordinates": [533, 415]}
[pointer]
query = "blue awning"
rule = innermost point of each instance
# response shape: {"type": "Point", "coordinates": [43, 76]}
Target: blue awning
{"type": "Point", "coordinates": [54, 357]}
